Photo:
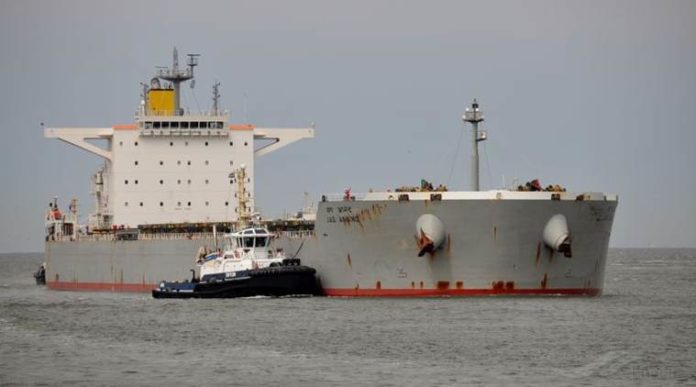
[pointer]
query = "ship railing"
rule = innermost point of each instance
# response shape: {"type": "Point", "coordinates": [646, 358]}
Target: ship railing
{"type": "Point", "coordinates": [141, 236]}
{"type": "Point", "coordinates": [295, 234]}
{"type": "Point", "coordinates": [335, 197]}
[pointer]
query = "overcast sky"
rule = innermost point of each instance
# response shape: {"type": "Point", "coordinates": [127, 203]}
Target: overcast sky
{"type": "Point", "coordinates": [593, 95]}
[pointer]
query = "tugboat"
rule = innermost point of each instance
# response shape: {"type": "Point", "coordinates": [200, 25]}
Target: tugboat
{"type": "Point", "coordinates": [247, 268]}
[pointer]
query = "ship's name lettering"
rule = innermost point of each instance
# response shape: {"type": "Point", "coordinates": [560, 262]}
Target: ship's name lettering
{"type": "Point", "coordinates": [342, 209]}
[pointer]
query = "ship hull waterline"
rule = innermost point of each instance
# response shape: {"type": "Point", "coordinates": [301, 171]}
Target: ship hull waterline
{"type": "Point", "coordinates": [369, 249]}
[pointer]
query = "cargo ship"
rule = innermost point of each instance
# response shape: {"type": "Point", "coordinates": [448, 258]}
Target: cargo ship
{"type": "Point", "coordinates": [167, 187]}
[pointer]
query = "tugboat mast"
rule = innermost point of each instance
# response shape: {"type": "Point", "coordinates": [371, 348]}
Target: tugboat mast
{"type": "Point", "coordinates": [474, 115]}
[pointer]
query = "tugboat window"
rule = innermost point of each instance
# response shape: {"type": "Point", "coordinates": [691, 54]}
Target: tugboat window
{"type": "Point", "coordinates": [249, 242]}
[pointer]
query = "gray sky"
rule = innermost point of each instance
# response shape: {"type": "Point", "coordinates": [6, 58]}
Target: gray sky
{"type": "Point", "coordinates": [594, 95]}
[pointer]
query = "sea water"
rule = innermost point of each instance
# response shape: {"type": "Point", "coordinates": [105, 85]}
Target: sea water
{"type": "Point", "coordinates": [642, 331]}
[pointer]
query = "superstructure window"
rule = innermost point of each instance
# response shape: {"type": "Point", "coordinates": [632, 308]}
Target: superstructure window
{"type": "Point", "coordinates": [184, 125]}
{"type": "Point", "coordinates": [156, 124]}
{"type": "Point", "coordinates": [194, 125]}
{"type": "Point", "coordinates": [165, 125]}
{"type": "Point", "coordinates": [175, 125]}
{"type": "Point", "coordinates": [148, 125]}
{"type": "Point", "coordinates": [202, 125]}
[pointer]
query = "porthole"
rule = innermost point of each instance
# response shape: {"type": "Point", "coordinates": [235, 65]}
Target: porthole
{"type": "Point", "coordinates": [136, 182]}
{"type": "Point", "coordinates": [161, 181]}
{"type": "Point", "coordinates": [206, 162]}
{"type": "Point", "coordinates": [161, 162]}
{"type": "Point", "coordinates": [136, 162]}
{"type": "Point", "coordinates": [189, 181]}
{"type": "Point", "coordinates": [206, 143]}
{"type": "Point", "coordinates": [178, 204]}
{"type": "Point", "coordinates": [186, 143]}
{"type": "Point", "coordinates": [188, 162]}
{"type": "Point", "coordinates": [231, 162]}
{"type": "Point", "coordinates": [231, 143]}
{"type": "Point", "coordinates": [120, 143]}
{"type": "Point", "coordinates": [189, 204]}
{"type": "Point", "coordinates": [126, 204]}
{"type": "Point", "coordinates": [141, 204]}
{"type": "Point", "coordinates": [178, 181]}
{"type": "Point", "coordinates": [161, 204]}
{"type": "Point", "coordinates": [207, 204]}
{"type": "Point", "coordinates": [126, 182]}
{"type": "Point", "coordinates": [136, 143]}
{"type": "Point", "coordinates": [227, 204]}
{"type": "Point", "coordinates": [171, 143]}
{"type": "Point", "coordinates": [246, 143]}
{"type": "Point", "coordinates": [178, 162]}
{"type": "Point", "coordinates": [206, 181]}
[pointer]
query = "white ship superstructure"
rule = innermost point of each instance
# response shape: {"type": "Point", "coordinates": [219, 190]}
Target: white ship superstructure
{"type": "Point", "coordinates": [171, 166]}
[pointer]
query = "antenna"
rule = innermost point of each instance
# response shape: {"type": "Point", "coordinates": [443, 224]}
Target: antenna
{"type": "Point", "coordinates": [216, 98]}
{"type": "Point", "coordinates": [474, 115]}
{"type": "Point", "coordinates": [176, 76]}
